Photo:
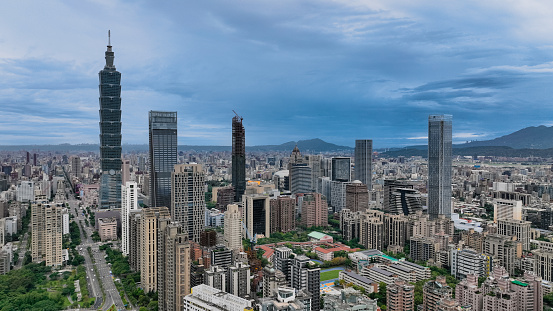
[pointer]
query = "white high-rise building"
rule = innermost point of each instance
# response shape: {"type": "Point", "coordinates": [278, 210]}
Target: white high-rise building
{"type": "Point", "coordinates": [233, 228]}
{"type": "Point", "coordinates": [65, 221]}
{"type": "Point", "coordinates": [129, 202]}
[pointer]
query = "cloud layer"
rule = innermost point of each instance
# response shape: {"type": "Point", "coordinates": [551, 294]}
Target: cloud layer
{"type": "Point", "coordinates": [337, 70]}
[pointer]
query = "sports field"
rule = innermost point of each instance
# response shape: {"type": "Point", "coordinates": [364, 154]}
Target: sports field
{"type": "Point", "coordinates": [329, 275]}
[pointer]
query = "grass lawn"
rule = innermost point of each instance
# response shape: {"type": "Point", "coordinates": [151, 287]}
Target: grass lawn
{"type": "Point", "coordinates": [329, 275]}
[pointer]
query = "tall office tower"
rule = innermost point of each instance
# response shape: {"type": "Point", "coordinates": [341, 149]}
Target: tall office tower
{"type": "Point", "coordinates": [76, 166]}
{"type": "Point", "coordinates": [239, 279]}
{"type": "Point", "coordinates": [125, 171]}
{"type": "Point", "coordinates": [152, 219]}
{"type": "Point", "coordinates": [129, 202]}
{"type": "Point", "coordinates": [174, 273]}
{"type": "Point", "coordinates": [300, 178]}
{"type": "Point", "coordinates": [439, 165]}
{"type": "Point", "coordinates": [163, 155]}
{"type": "Point", "coordinates": [238, 158]}
{"type": "Point", "coordinates": [283, 212]}
{"type": "Point", "coordinates": [400, 296]}
{"type": "Point", "coordinates": [357, 196]}
{"type": "Point", "coordinates": [390, 185]}
{"type": "Point", "coordinates": [314, 210]}
{"type": "Point", "coordinates": [46, 233]}
{"type": "Point", "coordinates": [188, 199]}
{"type": "Point", "coordinates": [314, 162]}
{"type": "Point", "coordinates": [257, 214]}
{"type": "Point", "coordinates": [110, 133]}
{"type": "Point", "coordinates": [304, 278]}
{"type": "Point", "coordinates": [341, 169]}
{"type": "Point", "coordinates": [363, 161]}
{"type": "Point", "coordinates": [518, 228]}
{"type": "Point", "coordinates": [233, 228]}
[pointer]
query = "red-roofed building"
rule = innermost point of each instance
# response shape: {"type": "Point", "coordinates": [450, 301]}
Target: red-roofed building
{"type": "Point", "coordinates": [268, 252]}
{"type": "Point", "coordinates": [327, 254]}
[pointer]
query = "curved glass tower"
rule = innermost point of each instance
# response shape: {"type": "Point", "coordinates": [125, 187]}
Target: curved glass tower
{"type": "Point", "coordinates": [110, 133]}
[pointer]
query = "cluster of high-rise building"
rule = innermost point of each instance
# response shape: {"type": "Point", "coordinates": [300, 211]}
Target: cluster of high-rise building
{"type": "Point", "coordinates": [458, 213]}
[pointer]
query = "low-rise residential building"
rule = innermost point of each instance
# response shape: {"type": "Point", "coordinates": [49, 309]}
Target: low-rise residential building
{"type": "Point", "coordinates": [379, 275]}
{"type": "Point", "coordinates": [207, 298]}
{"type": "Point", "coordinates": [369, 285]}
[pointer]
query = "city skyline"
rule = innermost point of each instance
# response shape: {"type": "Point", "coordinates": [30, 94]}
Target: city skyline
{"type": "Point", "coordinates": [335, 70]}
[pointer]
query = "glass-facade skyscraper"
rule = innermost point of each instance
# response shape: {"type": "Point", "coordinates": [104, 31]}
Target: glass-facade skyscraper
{"type": "Point", "coordinates": [363, 161]}
{"type": "Point", "coordinates": [238, 158]}
{"type": "Point", "coordinates": [163, 155]}
{"type": "Point", "coordinates": [110, 133]}
{"type": "Point", "coordinates": [439, 165]}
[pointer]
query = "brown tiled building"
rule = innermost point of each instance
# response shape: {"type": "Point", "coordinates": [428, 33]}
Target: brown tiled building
{"type": "Point", "coordinates": [283, 211]}
{"type": "Point", "coordinates": [357, 196]}
{"type": "Point", "coordinates": [314, 210]}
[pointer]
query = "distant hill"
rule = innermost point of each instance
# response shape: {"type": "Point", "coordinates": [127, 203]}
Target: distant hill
{"type": "Point", "coordinates": [533, 137]}
{"type": "Point", "coordinates": [312, 145]}
{"type": "Point", "coordinates": [499, 151]}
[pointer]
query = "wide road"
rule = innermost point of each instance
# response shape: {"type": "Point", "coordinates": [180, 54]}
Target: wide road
{"type": "Point", "coordinates": [104, 275]}
{"type": "Point", "coordinates": [92, 279]}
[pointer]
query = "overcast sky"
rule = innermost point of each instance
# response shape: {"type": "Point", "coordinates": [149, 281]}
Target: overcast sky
{"type": "Point", "coordinates": [335, 70]}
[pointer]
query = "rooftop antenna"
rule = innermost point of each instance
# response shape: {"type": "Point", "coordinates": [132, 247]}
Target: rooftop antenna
{"type": "Point", "coordinates": [109, 37]}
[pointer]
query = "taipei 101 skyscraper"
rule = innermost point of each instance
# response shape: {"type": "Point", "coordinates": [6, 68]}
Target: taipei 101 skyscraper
{"type": "Point", "coordinates": [110, 133]}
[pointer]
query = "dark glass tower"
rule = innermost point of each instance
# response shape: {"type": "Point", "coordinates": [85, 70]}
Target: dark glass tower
{"type": "Point", "coordinates": [163, 156]}
{"type": "Point", "coordinates": [439, 165]}
{"type": "Point", "coordinates": [238, 158]}
{"type": "Point", "coordinates": [110, 133]}
{"type": "Point", "coordinates": [363, 161]}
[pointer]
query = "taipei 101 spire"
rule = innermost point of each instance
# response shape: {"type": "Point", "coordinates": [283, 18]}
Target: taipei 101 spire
{"type": "Point", "coordinates": [110, 132]}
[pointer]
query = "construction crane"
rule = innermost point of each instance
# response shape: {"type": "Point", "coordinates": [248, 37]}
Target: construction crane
{"type": "Point", "coordinates": [238, 115]}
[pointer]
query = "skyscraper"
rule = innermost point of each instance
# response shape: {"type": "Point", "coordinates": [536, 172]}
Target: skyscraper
{"type": "Point", "coordinates": [341, 169]}
{"type": "Point", "coordinates": [363, 161]}
{"type": "Point", "coordinates": [439, 165]}
{"type": "Point", "coordinates": [110, 133]}
{"type": "Point", "coordinates": [238, 157]}
{"type": "Point", "coordinates": [188, 199]}
{"type": "Point", "coordinates": [129, 202]}
{"type": "Point", "coordinates": [163, 155]}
